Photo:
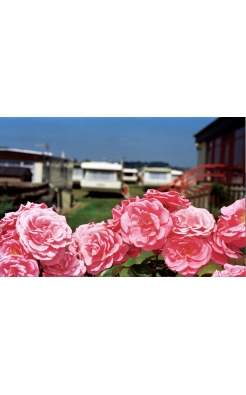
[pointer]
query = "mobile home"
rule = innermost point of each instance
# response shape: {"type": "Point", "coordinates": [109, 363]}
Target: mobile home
{"type": "Point", "coordinates": [155, 177]}
{"type": "Point", "coordinates": [130, 175]}
{"type": "Point", "coordinates": [103, 177]}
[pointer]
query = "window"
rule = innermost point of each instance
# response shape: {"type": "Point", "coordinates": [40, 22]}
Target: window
{"type": "Point", "coordinates": [100, 175]}
{"type": "Point", "coordinates": [227, 144]}
{"type": "Point", "coordinates": [210, 152]}
{"type": "Point", "coordinates": [77, 172]}
{"type": "Point", "coordinates": [6, 162]}
{"type": "Point", "coordinates": [217, 145]}
{"type": "Point", "coordinates": [240, 132]}
{"type": "Point", "coordinates": [158, 176]}
{"type": "Point", "coordinates": [239, 147]}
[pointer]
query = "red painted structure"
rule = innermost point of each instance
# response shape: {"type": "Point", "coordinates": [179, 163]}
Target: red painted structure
{"type": "Point", "coordinates": [221, 159]}
{"type": "Point", "coordinates": [194, 176]}
{"type": "Point", "coordinates": [223, 142]}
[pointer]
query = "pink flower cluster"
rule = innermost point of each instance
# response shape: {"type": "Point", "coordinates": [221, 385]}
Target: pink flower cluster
{"type": "Point", "coordinates": [33, 241]}
{"type": "Point", "coordinates": [186, 236]}
{"type": "Point", "coordinates": [231, 271]}
{"type": "Point", "coordinates": [37, 241]}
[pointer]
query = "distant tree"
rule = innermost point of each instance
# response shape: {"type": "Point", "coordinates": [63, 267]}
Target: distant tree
{"type": "Point", "coordinates": [141, 164]}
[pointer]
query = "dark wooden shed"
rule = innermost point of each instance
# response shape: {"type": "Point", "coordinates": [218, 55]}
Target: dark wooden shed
{"type": "Point", "coordinates": [15, 174]}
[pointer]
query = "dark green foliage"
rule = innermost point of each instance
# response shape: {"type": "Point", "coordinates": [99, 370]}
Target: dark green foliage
{"type": "Point", "coordinates": [5, 206]}
{"type": "Point", "coordinates": [219, 197]}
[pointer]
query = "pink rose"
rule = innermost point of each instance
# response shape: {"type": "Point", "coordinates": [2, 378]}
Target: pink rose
{"type": "Point", "coordinates": [18, 266]}
{"type": "Point", "coordinates": [74, 247]}
{"type": "Point", "coordinates": [8, 227]}
{"type": "Point", "coordinates": [231, 226]}
{"type": "Point", "coordinates": [14, 247]}
{"type": "Point", "coordinates": [221, 250]}
{"type": "Point", "coordinates": [133, 251]}
{"type": "Point", "coordinates": [235, 209]}
{"type": "Point", "coordinates": [64, 264]}
{"type": "Point", "coordinates": [8, 222]}
{"type": "Point", "coordinates": [98, 246]}
{"type": "Point", "coordinates": [193, 221]}
{"type": "Point", "coordinates": [114, 224]}
{"type": "Point", "coordinates": [43, 232]}
{"type": "Point", "coordinates": [171, 200]}
{"type": "Point", "coordinates": [146, 224]}
{"type": "Point", "coordinates": [186, 255]}
{"type": "Point", "coordinates": [231, 271]}
{"type": "Point", "coordinates": [6, 233]}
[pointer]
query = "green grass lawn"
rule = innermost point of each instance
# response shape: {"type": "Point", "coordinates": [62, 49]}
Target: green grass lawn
{"type": "Point", "coordinates": [94, 209]}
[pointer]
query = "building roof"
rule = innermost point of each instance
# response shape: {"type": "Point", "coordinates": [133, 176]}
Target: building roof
{"type": "Point", "coordinates": [101, 165]}
{"type": "Point", "coordinates": [157, 169]}
{"type": "Point", "coordinates": [218, 126]}
{"type": "Point", "coordinates": [27, 155]}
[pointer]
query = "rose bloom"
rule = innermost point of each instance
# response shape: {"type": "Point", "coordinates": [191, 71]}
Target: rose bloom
{"type": "Point", "coordinates": [221, 251]}
{"type": "Point", "coordinates": [98, 246]}
{"type": "Point", "coordinates": [8, 222]}
{"type": "Point", "coordinates": [74, 247]}
{"type": "Point", "coordinates": [114, 224]}
{"type": "Point", "coordinates": [64, 264]}
{"type": "Point", "coordinates": [231, 226]}
{"type": "Point", "coordinates": [193, 222]}
{"type": "Point", "coordinates": [132, 252]}
{"type": "Point", "coordinates": [146, 224]}
{"type": "Point", "coordinates": [186, 255]}
{"type": "Point", "coordinates": [18, 266]}
{"type": "Point", "coordinates": [43, 232]}
{"type": "Point", "coordinates": [231, 271]}
{"type": "Point", "coordinates": [13, 247]}
{"type": "Point", "coordinates": [171, 200]}
{"type": "Point", "coordinates": [8, 228]}
{"type": "Point", "coordinates": [6, 233]}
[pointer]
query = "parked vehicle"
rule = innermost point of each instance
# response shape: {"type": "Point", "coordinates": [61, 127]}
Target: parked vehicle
{"type": "Point", "coordinates": [155, 177]}
{"type": "Point", "coordinates": [130, 175]}
{"type": "Point", "coordinates": [103, 177]}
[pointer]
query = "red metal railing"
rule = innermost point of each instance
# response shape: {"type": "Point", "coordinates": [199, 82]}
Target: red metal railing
{"type": "Point", "coordinates": [191, 177]}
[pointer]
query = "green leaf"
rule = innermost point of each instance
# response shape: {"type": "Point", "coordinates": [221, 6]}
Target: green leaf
{"type": "Point", "coordinates": [127, 272]}
{"type": "Point", "coordinates": [113, 271]}
{"type": "Point", "coordinates": [160, 265]}
{"type": "Point", "coordinates": [142, 270]}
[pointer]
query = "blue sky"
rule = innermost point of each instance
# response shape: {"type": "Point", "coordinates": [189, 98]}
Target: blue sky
{"type": "Point", "coordinates": [145, 139]}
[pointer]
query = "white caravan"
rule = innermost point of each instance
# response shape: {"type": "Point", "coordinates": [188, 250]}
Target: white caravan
{"type": "Point", "coordinates": [103, 177]}
{"type": "Point", "coordinates": [155, 177]}
{"type": "Point", "coordinates": [130, 175]}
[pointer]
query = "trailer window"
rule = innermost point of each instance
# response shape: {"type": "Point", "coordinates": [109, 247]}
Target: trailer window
{"type": "Point", "coordinates": [100, 175]}
{"type": "Point", "coordinates": [157, 176]}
